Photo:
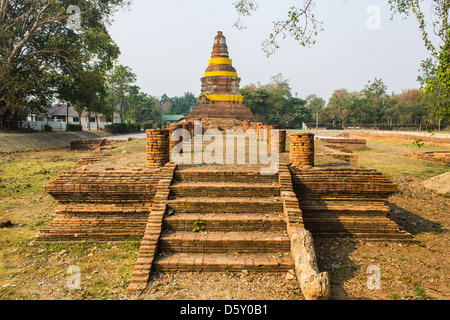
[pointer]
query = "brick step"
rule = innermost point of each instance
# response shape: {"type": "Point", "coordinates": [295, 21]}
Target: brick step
{"type": "Point", "coordinates": [341, 196]}
{"type": "Point", "coordinates": [223, 176]}
{"type": "Point", "coordinates": [342, 180]}
{"type": "Point", "coordinates": [226, 222]}
{"type": "Point", "coordinates": [368, 221]}
{"type": "Point", "coordinates": [103, 224]}
{"type": "Point", "coordinates": [345, 199]}
{"type": "Point", "coordinates": [372, 236]}
{"type": "Point", "coordinates": [88, 235]}
{"type": "Point", "coordinates": [218, 242]}
{"type": "Point", "coordinates": [224, 189]}
{"type": "Point", "coordinates": [92, 209]}
{"type": "Point", "coordinates": [343, 209]}
{"type": "Point", "coordinates": [351, 228]}
{"type": "Point", "coordinates": [226, 205]}
{"type": "Point", "coordinates": [330, 172]}
{"type": "Point", "coordinates": [341, 214]}
{"type": "Point", "coordinates": [197, 262]}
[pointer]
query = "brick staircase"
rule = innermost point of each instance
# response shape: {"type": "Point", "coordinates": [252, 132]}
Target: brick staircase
{"type": "Point", "coordinates": [241, 216]}
{"type": "Point", "coordinates": [347, 203]}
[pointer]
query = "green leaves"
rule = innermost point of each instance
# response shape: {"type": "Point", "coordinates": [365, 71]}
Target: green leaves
{"type": "Point", "coordinates": [198, 226]}
{"type": "Point", "coordinates": [301, 24]}
{"type": "Point", "coordinates": [39, 50]}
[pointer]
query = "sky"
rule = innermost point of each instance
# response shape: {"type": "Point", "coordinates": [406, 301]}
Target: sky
{"type": "Point", "coordinates": [168, 43]}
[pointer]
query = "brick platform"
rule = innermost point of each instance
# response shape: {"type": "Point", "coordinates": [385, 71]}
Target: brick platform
{"type": "Point", "coordinates": [347, 203]}
{"type": "Point", "coordinates": [100, 206]}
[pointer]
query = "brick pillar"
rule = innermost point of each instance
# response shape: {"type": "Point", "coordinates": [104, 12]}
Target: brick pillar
{"type": "Point", "coordinates": [302, 150]}
{"type": "Point", "coordinates": [282, 140]}
{"type": "Point", "coordinates": [158, 144]}
{"type": "Point", "coordinates": [172, 128]}
{"type": "Point", "coordinates": [270, 129]}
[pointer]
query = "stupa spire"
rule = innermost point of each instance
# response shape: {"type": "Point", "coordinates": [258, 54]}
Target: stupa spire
{"type": "Point", "coordinates": [220, 95]}
{"type": "Point", "coordinates": [220, 49]}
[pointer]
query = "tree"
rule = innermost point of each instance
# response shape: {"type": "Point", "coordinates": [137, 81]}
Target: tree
{"type": "Point", "coordinates": [120, 82]}
{"type": "Point", "coordinates": [148, 106]}
{"type": "Point", "coordinates": [409, 109]}
{"type": "Point", "coordinates": [340, 105]}
{"type": "Point", "coordinates": [434, 24]}
{"type": "Point", "coordinates": [257, 99]}
{"type": "Point", "coordinates": [376, 94]}
{"type": "Point", "coordinates": [315, 105]}
{"type": "Point", "coordinates": [134, 102]}
{"type": "Point", "coordinates": [182, 105]}
{"type": "Point", "coordinates": [38, 46]}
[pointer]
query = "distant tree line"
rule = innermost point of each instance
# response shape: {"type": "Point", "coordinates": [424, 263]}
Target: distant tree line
{"type": "Point", "coordinates": [372, 107]}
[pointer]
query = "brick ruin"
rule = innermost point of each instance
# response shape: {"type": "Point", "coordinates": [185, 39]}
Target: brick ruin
{"type": "Point", "coordinates": [254, 222]}
{"type": "Point", "coordinates": [440, 157]}
{"type": "Point", "coordinates": [342, 148]}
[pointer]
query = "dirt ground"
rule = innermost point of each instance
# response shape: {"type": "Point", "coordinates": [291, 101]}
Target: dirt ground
{"type": "Point", "coordinates": [20, 142]}
{"type": "Point", "coordinates": [39, 271]}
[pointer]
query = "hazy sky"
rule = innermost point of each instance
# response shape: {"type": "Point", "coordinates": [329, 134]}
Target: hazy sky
{"type": "Point", "coordinates": [168, 44]}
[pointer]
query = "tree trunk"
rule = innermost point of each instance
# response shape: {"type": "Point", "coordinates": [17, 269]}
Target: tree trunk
{"type": "Point", "coordinates": [314, 285]}
{"type": "Point", "coordinates": [67, 118]}
{"type": "Point", "coordinates": [96, 120]}
{"type": "Point", "coordinates": [121, 110]}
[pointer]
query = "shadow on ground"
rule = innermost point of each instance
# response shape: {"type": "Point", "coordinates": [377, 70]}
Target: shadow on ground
{"type": "Point", "coordinates": [412, 222]}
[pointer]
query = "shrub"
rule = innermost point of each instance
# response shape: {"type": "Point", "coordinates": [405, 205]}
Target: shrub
{"type": "Point", "coordinates": [117, 128]}
{"type": "Point", "coordinates": [148, 125]}
{"type": "Point", "coordinates": [47, 128]}
{"type": "Point", "coordinates": [133, 127]}
{"type": "Point", "coordinates": [74, 127]}
{"type": "Point", "coordinates": [162, 124]}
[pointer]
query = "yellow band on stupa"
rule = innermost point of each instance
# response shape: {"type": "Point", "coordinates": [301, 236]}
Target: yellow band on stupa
{"type": "Point", "coordinates": [220, 61]}
{"type": "Point", "coordinates": [221, 74]}
{"type": "Point", "coordinates": [224, 97]}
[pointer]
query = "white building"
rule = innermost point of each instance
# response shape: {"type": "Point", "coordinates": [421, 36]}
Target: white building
{"type": "Point", "coordinates": [56, 118]}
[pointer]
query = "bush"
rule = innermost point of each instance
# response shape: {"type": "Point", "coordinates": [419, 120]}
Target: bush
{"type": "Point", "coordinates": [162, 124]}
{"type": "Point", "coordinates": [74, 127]}
{"type": "Point", "coordinates": [117, 128]}
{"type": "Point", "coordinates": [123, 128]}
{"type": "Point", "coordinates": [133, 127]}
{"type": "Point", "coordinates": [148, 126]}
{"type": "Point", "coordinates": [47, 128]}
